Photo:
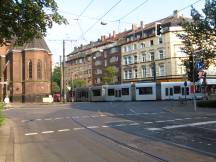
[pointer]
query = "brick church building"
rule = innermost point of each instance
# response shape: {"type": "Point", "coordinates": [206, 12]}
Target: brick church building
{"type": "Point", "coordinates": [25, 72]}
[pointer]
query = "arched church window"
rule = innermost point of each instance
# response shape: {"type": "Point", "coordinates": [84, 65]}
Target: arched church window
{"type": "Point", "coordinates": [39, 70]}
{"type": "Point", "coordinates": [30, 69]}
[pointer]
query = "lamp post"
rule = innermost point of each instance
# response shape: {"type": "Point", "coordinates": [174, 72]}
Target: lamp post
{"type": "Point", "coordinates": [194, 89]}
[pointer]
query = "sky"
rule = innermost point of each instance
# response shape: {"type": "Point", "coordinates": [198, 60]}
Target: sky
{"type": "Point", "coordinates": [85, 17]}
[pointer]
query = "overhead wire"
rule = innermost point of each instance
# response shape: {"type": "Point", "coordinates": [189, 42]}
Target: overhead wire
{"type": "Point", "coordinates": [85, 8]}
{"type": "Point", "coordinates": [189, 5]}
{"type": "Point", "coordinates": [102, 17]}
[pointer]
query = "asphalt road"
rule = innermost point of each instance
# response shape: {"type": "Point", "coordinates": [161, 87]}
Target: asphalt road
{"type": "Point", "coordinates": [112, 132]}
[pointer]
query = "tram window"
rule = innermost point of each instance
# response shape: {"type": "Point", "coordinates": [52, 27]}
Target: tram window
{"type": "Point", "coordinates": [171, 91]}
{"type": "Point", "coordinates": [183, 90]}
{"type": "Point", "coordinates": [145, 90]}
{"type": "Point", "coordinates": [125, 91]}
{"type": "Point", "coordinates": [177, 89]}
{"type": "Point", "coordinates": [198, 89]}
{"type": "Point", "coordinates": [187, 90]}
{"type": "Point", "coordinates": [110, 92]}
{"type": "Point", "coordinates": [167, 91]}
{"type": "Point", "coordinates": [96, 92]}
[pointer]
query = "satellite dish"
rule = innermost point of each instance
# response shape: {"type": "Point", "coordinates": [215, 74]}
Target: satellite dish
{"type": "Point", "coordinates": [103, 23]}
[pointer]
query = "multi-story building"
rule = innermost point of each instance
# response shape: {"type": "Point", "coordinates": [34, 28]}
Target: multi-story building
{"type": "Point", "coordinates": [147, 57]}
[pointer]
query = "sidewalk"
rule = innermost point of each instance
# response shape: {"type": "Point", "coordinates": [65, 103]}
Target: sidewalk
{"type": "Point", "coordinates": [34, 105]}
{"type": "Point", "coordinates": [7, 142]}
{"type": "Point", "coordinates": [188, 107]}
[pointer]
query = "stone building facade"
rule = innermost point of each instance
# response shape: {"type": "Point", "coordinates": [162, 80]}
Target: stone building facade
{"type": "Point", "coordinates": [26, 72]}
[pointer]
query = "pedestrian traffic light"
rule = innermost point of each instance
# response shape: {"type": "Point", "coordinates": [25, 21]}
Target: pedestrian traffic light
{"type": "Point", "coordinates": [158, 29]}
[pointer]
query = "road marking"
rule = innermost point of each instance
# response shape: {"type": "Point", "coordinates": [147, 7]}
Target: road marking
{"type": "Point", "coordinates": [131, 110]}
{"type": "Point", "coordinates": [102, 115]}
{"type": "Point", "coordinates": [63, 130]}
{"type": "Point", "coordinates": [147, 122]}
{"type": "Point", "coordinates": [134, 124]}
{"type": "Point", "coordinates": [47, 132]}
{"type": "Point", "coordinates": [169, 120]}
{"type": "Point", "coordinates": [160, 121]}
{"type": "Point", "coordinates": [190, 124]}
{"type": "Point", "coordinates": [23, 121]}
{"type": "Point", "coordinates": [67, 117]}
{"type": "Point", "coordinates": [187, 118]}
{"type": "Point", "coordinates": [94, 116]}
{"type": "Point", "coordinates": [178, 119]}
{"type": "Point", "coordinates": [85, 116]}
{"type": "Point", "coordinates": [80, 128]}
{"type": "Point", "coordinates": [30, 134]}
{"type": "Point", "coordinates": [38, 119]}
{"type": "Point", "coordinates": [48, 119]}
{"type": "Point", "coordinates": [154, 129]}
{"type": "Point", "coordinates": [120, 125]}
{"type": "Point", "coordinates": [58, 118]}
{"type": "Point", "coordinates": [105, 126]}
{"type": "Point", "coordinates": [209, 144]}
{"type": "Point", "coordinates": [75, 117]}
{"type": "Point", "coordinates": [92, 127]}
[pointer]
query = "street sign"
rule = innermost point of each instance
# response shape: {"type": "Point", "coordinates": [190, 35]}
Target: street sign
{"type": "Point", "coordinates": [185, 83]}
{"type": "Point", "coordinates": [199, 65]}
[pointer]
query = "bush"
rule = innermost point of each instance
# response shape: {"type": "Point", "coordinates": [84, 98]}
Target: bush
{"type": "Point", "coordinates": [1, 114]}
{"type": "Point", "coordinates": [210, 103]}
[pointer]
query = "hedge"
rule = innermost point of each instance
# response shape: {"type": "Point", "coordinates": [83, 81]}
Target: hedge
{"type": "Point", "coordinates": [209, 103]}
{"type": "Point", "coordinates": [1, 114]}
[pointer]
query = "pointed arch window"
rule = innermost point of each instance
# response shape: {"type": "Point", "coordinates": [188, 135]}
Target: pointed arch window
{"type": "Point", "coordinates": [39, 70]}
{"type": "Point", "coordinates": [30, 69]}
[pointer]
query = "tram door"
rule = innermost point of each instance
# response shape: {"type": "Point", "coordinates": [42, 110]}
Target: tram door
{"type": "Point", "coordinates": [118, 93]}
{"type": "Point", "coordinates": [169, 93]}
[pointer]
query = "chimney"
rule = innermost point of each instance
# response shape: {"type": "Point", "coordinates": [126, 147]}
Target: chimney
{"type": "Point", "coordinates": [102, 38]}
{"type": "Point", "coordinates": [110, 35]}
{"type": "Point", "coordinates": [176, 13]}
{"type": "Point", "coordinates": [142, 24]}
{"type": "Point", "coordinates": [134, 27]}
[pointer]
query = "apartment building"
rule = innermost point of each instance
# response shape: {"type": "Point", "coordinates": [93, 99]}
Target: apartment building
{"type": "Point", "coordinates": [146, 57]}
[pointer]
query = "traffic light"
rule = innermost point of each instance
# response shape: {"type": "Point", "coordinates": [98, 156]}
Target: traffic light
{"type": "Point", "coordinates": [192, 70]}
{"type": "Point", "coordinates": [158, 29]}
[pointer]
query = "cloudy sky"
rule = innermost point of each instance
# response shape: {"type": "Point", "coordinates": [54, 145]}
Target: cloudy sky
{"type": "Point", "coordinates": [85, 17]}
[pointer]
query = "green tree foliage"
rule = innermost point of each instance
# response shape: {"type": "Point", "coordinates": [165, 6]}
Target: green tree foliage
{"type": "Point", "coordinates": [109, 74]}
{"type": "Point", "coordinates": [26, 19]}
{"type": "Point", "coordinates": [2, 117]}
{"type": "Point", "coordinates": [55, 87]}
{"type": "Point", "coordinates": [56, 75]}
{"type": "Point", "coordinates": [200, 34]}
{"type": "Point", "coordinates": [77, 83]}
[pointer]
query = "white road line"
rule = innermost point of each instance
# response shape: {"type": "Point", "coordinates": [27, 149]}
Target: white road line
{"type": "Point", "coordinates": [48, 119]}
{"type": "Point", "coordinates": [47, 132]}
{"type": "Point", "coordinates": [160, 121]}
{"type": "Point", "coordinates": [75, 117]}
{"type": "Point", "coordinates": [131, 110]}
{"type": "Point", "coordinates": [80, 128]}
{"type": "Point", "coordinates": [134, 124]}
{"type": "Point", "coordinates": [120, 125]}
{"type": "Point", "coordinates": [23, 121]}
{"type": "Point", "coordinates": [58, 118]}
{"type": "Point", "coordinates": [153, 129]}
{"type": "Point", "coordinates": [147, 122]}
{"type": "Point", "coordinates": [94, 116]}
{"type": "Point", "coordinates": [102, 115]}
{"type": "Point", "coordinates": [105, 126]}
{"type": "Point", "coordinates": [38, 119]}
{"type": "Point", "coordinates": [67, 117]}
{"type": "Point", "coordinates": [178, 119]}
{"type": "Point", "coordinates": [169, 120]}
{"type": "Point", "coordinates": [190, 124]}
{"type": "Point", "coordinates": [63, 130]}
{"type": "Point", "coordinates": [92, 127]}
{"type": "Point", "coordinates": [30, 134]}
{"type": "Point", "coordinates": [187, 118]}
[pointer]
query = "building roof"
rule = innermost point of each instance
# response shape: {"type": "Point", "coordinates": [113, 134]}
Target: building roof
{"type": "Point", "coordinates": [36, 43]}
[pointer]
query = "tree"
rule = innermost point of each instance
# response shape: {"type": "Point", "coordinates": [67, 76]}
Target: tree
{"type": "Point", "coordinates": [56, 75]}
{"type": "Point", "coordinates": [55, 87]}
{"type": "Point", "coordinates": [77, 83]}
{"type": "Point", "coordinates": [23, 20]}
{"type": "Point", "coordinates": [200, 34]}
{"type": "Point", "coordinates": [109, 74]}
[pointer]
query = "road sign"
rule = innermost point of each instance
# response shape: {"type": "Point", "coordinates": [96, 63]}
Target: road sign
{"type": "Point", "coordinates": [185, 83]}
{"type": "Point", "coordinates": [199, 65]}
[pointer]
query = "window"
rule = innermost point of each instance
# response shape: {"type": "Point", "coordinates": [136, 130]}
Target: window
{"type": "Point", "coordinates": [135, 59]}
{"type": "Point", "coordinates": [152, 56]}
{"type": "Point", "coordinates": [144, 71]}
{"type": "Point", "coordinates": [183, 90]}
{"type": "Point", "coordinates": [161, 54]}
{"type": "Point", "coordinates": [151, 42]}
{"type": "Point", "coordinates": [96, 92]}
{"type": "Point", "coordinates": [113, 50]}
{"type": "Point", "coordinates": [125, 91]}
{"type": "Point", "coordinates": [105, 63]}
{"type": "Point", "coordinates": [134, 47]}
{"type": "Point", "coordinates": [144, 57]}
{"type": "Point", "coordinates": [98, 54]}
{"type": "Point", "coordinates": [39, 70]}
{"type": "Point", "coordinates": [97, 63]}
{"type": "Point", "coordinates": [126, 74]}
{"type": "Point", "coordinates": [30, 69]}
{"type": "Point", "coordinates": [153, 67]}
{"type": "Point", "coordinates": [129, 60]}
{"type": "Point", "coordinates": [125, 49]}
{"type": "Point", "coordinates": [125, 60]}
{"type": "Point", "coordinates": [145, 90]}
{"type": "Point", "coordinates": [177, 89]}
{"type": "Point", "coordinates": [98, 71]}
{"type": "Point", "coordinates": [142, 45]}
{"type": "Point", "coordinates": [135, 73]}
{"type": "Point", "coordinates": [110, 92]}
{"type": "Point", "coordinates": [129, 74]}
{"type": "Point", "coordinates": [162, 70]}
{"type": "Point", "coordinates": [160, 40]}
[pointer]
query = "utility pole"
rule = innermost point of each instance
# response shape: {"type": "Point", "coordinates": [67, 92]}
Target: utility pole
{"type": "Point", "coordinates": [60, 62]}
{"type": "Point", "coordinates": [194, 89]}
